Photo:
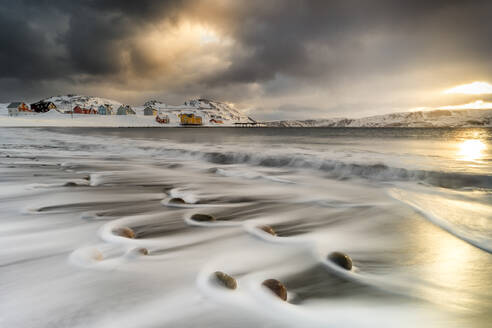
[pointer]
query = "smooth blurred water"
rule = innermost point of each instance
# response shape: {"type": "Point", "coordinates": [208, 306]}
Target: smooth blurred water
{"type": "Point", "coordinates": [412, 207]}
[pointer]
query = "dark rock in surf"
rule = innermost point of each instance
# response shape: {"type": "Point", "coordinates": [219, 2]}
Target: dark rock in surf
{"type": "Point", "coordinates": [276, 287]}
{"type": "Point", "coordinates": [143, 251]}
{"type": "Point", "coordinates": [202, 218]}
{"type": "Point", "coordinates": [226, 280]}
{"type": "Point", "coordinates": [268, 229]}
{"type": "Point", "coordinates": [177, 200]}
{"type": "Point", "coordinates": [341, 259]}
{"type": "Point", "coordinates": [125, 232]}
{"type": "Point", "coordinates": [70, 184]}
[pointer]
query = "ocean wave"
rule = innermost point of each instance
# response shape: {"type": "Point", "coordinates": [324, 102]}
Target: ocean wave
{"type": "Point", "coordinates": [336, 165]}
{"type": "Point", "coordinates": [345, 170]}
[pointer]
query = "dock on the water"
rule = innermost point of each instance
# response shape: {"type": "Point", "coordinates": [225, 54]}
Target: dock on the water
{"type": "Point", "coordinates": [250, 125]}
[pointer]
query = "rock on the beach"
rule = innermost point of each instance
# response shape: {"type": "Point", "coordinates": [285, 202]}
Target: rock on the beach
{"type": "Point", "coordinates": [276, 287]}
{"type": "Point", "coordinates": [177, 200]}
{"type": "Point", "coordinates": [97, 255]}
{"type": "Point", "coordinates": [341, 259]}
{"type": "Point", "coordinates": [143, 251]}
{"type": "Point", "coordinates": [225, 279]}
{"type": "Point", "coordinates": [125, 232]}
{"type": "Point", "coordinates": [268, 229]}
{"type": "Point", "coordinates": [202, 217]}
{"type": "Point", "coordinates": [70, 184]}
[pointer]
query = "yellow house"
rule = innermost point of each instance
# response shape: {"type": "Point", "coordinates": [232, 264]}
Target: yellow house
{"type": "Point", "coordinates": [190, 119]}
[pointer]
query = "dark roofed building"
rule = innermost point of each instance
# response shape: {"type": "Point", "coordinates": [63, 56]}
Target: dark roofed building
{"type": "Point", "coordinates": [150, 111]}
{"type": "Point", "coordinates": [42, 106]}
{"type": "Point", "coordinates": [14, 105]}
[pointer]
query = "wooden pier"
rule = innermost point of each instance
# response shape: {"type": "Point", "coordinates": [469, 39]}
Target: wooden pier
{"type": "Point", "coordinates": [250, 125]}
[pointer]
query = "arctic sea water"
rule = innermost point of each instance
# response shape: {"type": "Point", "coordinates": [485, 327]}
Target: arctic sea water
{"type": "Point", "coordinates": [411, 207]}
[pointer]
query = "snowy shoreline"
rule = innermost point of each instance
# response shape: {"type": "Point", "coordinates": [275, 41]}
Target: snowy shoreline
{"type": "Point", "coordinates": [216, 114]}
{"type": "Point", "coordinates": [55, 119]}
{"type": "Point", "coordinates": [88, 111]}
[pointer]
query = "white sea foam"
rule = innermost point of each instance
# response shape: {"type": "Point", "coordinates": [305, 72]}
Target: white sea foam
{"type": "Point", "coordinates": [65, 263]}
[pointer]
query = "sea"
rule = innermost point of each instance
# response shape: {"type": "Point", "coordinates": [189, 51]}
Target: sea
{"type": "Point", "coordinates": [99, 227]}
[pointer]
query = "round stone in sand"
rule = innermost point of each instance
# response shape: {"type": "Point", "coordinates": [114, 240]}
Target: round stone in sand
{"type": "Point", "coordinates": [341, 259]}
{"type": "Point", "coordinates": [268, 229]}
{"type": "Point", "coordinates": [126, 232]}
{"type": "Point", "coordinates": [226, 280]}
{"type": "Point", "coordinates": [202, 217]}
{"type": "Point", "coordinates": [143, 251]}
{"type": "Point", "coordinates": [97, 255]}
{"type": "Point", "coordinates": [177, 200]}
{"type": "Point", "coordinates": [276, 287]}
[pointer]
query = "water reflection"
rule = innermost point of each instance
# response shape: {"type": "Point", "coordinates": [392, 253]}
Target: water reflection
{"type": "Point", "coordinates": [457, 274]}
{"type": "Point", "coordinates": [471, 149]}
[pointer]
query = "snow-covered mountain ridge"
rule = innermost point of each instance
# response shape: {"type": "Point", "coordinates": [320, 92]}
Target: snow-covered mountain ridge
{"type": "Point", "coordinates": [433, 118]}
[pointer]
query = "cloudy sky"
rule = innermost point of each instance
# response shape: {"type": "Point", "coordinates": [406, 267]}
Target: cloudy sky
{"type": "Point", "coordinates": [277, 59]}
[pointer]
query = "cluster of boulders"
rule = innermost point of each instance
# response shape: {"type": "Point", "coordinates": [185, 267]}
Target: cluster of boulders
{"type": "Point", "coordinates": [275, 286]}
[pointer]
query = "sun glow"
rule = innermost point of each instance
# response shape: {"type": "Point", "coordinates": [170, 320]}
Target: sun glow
{"type": "Point", "coordinates": [478, 104]}
{"type": "Point", "coordinates": [471, 149]}
{"type": "Point", "coordinates": [475, 88]}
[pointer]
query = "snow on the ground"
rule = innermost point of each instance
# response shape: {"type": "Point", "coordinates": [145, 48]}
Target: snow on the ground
{"type": "Point", "coordinates": [66, 103]}
{"type": "Point", "coordinates": [56, 119]}
{"type": "Point", "coordinates": [434, 118]}
{"type": "Point", "coordinates": [207, 109]}
{"type": "Point", "coordinates": [210, 110]}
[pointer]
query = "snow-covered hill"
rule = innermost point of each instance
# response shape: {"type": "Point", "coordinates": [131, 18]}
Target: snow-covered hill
{"type": "Point", "coordinates": [212, 113]}
{"type": "Point", "coordinates": [434, 118]}
{"type": "Point", "coordinates": [66, 103]}
{"type": "Point", "coordinates": [207, 109]}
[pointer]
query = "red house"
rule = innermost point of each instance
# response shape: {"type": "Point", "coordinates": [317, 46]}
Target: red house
{"type": "Point", "coordinates": [79, 110]}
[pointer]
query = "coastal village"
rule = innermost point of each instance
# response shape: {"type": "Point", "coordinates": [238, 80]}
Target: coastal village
{"type": "Point", "coordinates": [88, 111]}
{"type": "Point", "coordinates": [198, 112]}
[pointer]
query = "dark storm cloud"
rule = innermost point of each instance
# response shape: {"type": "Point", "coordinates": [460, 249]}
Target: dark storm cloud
{"type": "Point", "coordinates": [313, 38]}
{"type": "Point", "coordinates": [279, 47]}
{"type": "Point", "coordinates": [27, 50]}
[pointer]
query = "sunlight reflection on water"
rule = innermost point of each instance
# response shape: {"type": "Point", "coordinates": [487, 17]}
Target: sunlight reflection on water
{"type": "Point", "coordinates": [472, 149]}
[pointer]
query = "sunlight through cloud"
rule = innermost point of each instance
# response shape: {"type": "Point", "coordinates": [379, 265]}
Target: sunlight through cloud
{"type": "Point", "coordinates": [479, 104]}
{"type": "Point", "coordinates": [475, 88]}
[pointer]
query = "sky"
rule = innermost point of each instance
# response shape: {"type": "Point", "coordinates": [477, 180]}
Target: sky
{"type": "Point", "coordinates": [287, 59]}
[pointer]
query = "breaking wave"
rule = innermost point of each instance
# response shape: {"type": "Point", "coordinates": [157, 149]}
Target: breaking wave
{"type": "Point", "coordinates": [343, 170]}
